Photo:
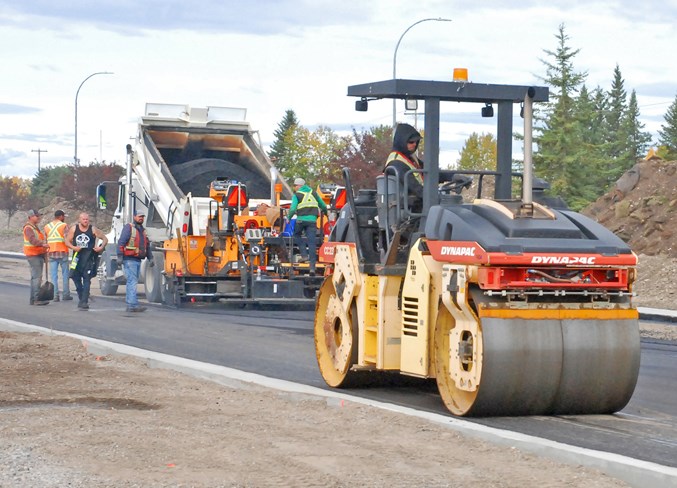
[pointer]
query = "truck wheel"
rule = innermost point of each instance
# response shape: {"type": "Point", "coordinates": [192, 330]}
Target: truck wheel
{"type": "Point", "coordinates": [106, 271]}
{"type": "Point", "coordinates": [153, 278]}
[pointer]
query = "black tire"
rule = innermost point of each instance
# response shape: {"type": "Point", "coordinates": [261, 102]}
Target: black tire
{"type": "Point", "coordinates": [153, 278]}
{"type": "Point", "coordinates": [107, 268]}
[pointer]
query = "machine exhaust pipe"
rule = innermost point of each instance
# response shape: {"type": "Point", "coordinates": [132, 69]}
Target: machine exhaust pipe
{"type": "Point", "coordinates": [128, 203]}
{"type": "Point", "coordinates": [273, 181]}
{"type": "Point", "coordinates": [527, 184]}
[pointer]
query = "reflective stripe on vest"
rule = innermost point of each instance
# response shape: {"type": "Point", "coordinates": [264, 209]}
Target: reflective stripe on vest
{"type": "Point", "coordinates": [56, 236]}
{"type": "Point", "coordinates": [30, 249]}
{"type": "Point", "coordinates": [308, 204]}
{"type": "Point", "coordinates": [397, 156]}
{"type": "Point", "coordinates": [133, 247]}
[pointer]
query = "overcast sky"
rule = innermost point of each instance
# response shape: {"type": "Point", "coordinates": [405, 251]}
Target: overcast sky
{"type": "Point", "coordinates": [270, 56]}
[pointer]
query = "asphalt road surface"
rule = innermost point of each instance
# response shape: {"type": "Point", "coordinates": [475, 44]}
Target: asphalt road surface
{"type": "Point", "coordinates": [279, 344]}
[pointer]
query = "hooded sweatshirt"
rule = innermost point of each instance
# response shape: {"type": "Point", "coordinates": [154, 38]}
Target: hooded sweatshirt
{"type": "Point", "coordinates": [403, 160]}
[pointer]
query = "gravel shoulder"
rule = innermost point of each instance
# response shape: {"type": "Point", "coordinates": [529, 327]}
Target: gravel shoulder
{"type": "Point", "coordinates": [70, 418]}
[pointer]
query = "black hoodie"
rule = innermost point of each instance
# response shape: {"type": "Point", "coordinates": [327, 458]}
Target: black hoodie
{"type": "Point", "coordinates": [403, 133]}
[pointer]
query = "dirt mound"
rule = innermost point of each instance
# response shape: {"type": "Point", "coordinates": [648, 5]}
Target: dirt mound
{"type": "Point", "coordinates": [642, 211]}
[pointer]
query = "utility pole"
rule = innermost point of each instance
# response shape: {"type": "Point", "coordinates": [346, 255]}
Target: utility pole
{"type": "Point", "coordinates": [39, 151]}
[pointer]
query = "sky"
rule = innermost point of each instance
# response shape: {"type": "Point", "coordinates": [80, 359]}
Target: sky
{"type": "Point", "coordinates": [271, 56]}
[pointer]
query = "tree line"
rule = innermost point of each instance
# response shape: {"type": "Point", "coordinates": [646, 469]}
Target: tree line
{"type": "Point", "coordinates": [75, 184]}
{"type": "Point", "coordinates": [585, 139]}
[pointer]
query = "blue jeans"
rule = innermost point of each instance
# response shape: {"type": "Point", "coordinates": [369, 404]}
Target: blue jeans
{"type": "Point", "coordinates": [132, 267]}
{"type": "Point", "coordinates": [309, 229]}
{"type": "Point", "coordinates": [54, 264]}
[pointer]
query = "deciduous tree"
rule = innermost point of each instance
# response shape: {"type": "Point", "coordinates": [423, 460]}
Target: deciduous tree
{"type": "Point", "coordinates": [478, 153]}
{"type": "Point", "coordinates": [14, 194]}
{"type": "Point", "coordinates": [365, 155]}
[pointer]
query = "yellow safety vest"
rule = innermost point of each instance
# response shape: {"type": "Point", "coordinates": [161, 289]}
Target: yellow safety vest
{"type": "Point", "coordinates": [308, 204]}
{"type": "Point", "coordinates": [397, 156]}
{"type": "Point", "coordinates": [56, 236]}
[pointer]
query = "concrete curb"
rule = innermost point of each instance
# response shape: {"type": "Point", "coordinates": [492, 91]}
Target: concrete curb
{"type": "Point", "coordinates": [635, 472]}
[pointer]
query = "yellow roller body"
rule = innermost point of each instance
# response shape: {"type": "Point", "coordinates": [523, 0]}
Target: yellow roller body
{"type": "Point", "coordinates": [490, 356]}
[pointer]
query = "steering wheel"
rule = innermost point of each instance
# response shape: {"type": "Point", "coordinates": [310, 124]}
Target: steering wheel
{"type": "Point", "coordinates": [457, 184]}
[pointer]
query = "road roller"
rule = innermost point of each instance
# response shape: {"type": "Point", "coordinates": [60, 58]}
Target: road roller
{"type": "Point", "coordinates": [512, 305]}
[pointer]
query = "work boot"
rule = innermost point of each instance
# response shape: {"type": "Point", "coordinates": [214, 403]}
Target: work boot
{"type": "Point", "coordinates": [40, 302]}
{"type": "Point", "coordinates": [67, 297]}
{"type": "Point", "coordinates": [138, 308]}
{"type": "Point", "coordinates": [83, 306]}
{"type": "Point", "coordinates": [56, 298]}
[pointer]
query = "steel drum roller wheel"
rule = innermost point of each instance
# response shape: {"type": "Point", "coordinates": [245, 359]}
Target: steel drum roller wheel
{"type": "Point", "coordinates": [542, 367]}
{"type": "Point", "coordinates": [335, 338]}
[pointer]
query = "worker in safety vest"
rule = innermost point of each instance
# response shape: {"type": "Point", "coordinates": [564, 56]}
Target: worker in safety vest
{"type": "Point", "coordinates": [133, 247]}
{"type": "Point", "coordinates": [58, 254]}
{"type": "Point", "coordinates": [35, 249]}
{"type": "Point", "coordinates": [307, 206]}
{"type": "Point", "coordinates": [403, 158]}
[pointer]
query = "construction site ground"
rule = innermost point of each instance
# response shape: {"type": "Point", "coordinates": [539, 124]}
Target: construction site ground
{"type": "Point", "coordinates": [71, 418]}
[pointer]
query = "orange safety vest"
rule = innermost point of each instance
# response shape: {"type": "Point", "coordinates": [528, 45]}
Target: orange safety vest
{"type": "Point", "coordinates": [56, 236]}
{"type": "Point", "coordinates": [30, 249]}
{"type": "Point", "coordinates": [134, 245]}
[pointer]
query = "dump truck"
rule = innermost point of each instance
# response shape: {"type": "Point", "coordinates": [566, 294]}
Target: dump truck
{"type": "Point", "coordinates": [513, 306]}
{"type": "Point", "coordinates": [196, 173]}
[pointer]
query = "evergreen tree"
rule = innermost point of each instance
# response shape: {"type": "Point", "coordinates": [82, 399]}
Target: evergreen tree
{"type": "Point", "coordinates": [590, 113]}
{"type": "Point", "coordinates": [618, 149]}
{"type": "Point", "coordinates": [558, 135]}
{"type": "Point", "coordinates": [668, 133]}
{"type": "Point", "coordinates": [639, 140]}
{"type": "Point", "coordinates": [288, 123]}
{"type": "Point", "coordinates": [478, 153]}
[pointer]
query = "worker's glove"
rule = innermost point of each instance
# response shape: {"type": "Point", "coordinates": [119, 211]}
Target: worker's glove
{"type": "Point", "coordinates": [151, 263]}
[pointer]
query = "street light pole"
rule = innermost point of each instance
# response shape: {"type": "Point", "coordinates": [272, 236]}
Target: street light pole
{"type": "Point", "coordinates": [438, 19]}
{"type": "Point", "coordinates": [75, 156]}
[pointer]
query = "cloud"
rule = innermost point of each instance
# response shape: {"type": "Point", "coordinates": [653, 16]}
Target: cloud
{"type": "Point", "coordinates": [61, 139]}
{"type": "Point", "coordinates": [259, 17]}
{"type": "Point", "coordinates": [8, 108]}
{"type": "Point", "coordinates": [663, 89]}
{"type": "Point", "coordinates": [6, 156]}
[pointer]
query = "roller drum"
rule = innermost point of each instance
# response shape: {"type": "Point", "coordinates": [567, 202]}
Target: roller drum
{"type": "Point", "coordinates": [552, 366]}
